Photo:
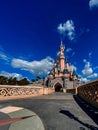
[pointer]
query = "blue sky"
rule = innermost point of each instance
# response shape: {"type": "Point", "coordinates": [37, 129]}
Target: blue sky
{"type": "Point", "coordinates": [30, 34]}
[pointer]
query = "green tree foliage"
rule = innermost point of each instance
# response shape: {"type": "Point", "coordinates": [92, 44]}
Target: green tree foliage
{"type": "Point", "coordinates": [12, 81]}
{"type": "Point", "coordinates": [33, 80]}
{"type": "Point", "coordinates": [3, 80]}
{"type": "Point", "coordinates": [23, 81]}
{"type": "Point", "coordinates": [38, 78]}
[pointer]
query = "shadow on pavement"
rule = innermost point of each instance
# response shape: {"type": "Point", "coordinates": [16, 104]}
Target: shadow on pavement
{"type": "Point", "coordinates": [71, 116]}
{"type": "Point", "coordinates": [88, 109]}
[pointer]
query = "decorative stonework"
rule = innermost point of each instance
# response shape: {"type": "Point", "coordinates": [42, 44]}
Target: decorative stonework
{"type": "Point", "coordinates": [13, 91]}
{"type": "Point", "coordinates": [18, 91]}
{"type": "Point", "coordinates": [89, 92]}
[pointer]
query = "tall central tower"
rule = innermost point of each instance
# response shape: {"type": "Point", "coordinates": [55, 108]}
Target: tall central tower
{"type": "Point", "coordinates": [62, 57]}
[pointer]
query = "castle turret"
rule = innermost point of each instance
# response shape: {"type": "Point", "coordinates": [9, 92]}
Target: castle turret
{"type": "Point", "coordinates": [62, 57]}
{"type": "Point", "coordinates": [66, 64]}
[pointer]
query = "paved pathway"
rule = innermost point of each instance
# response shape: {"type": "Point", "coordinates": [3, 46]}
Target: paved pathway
{"type": "Point", "coordinates": [57, 111]}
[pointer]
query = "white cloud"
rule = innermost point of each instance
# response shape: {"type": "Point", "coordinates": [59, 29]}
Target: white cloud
{"type": "Point", "coordinates": [93, 4]}
{"type": "Point", "coordinates": [68, 49]}
{"type": "Point", "coordinates": [83, 80]}
{"type": "Point", "coordinates": [35, 67]}
{"type": "Point", "coordinates": [67, 29]}
{"type": "Point", "coordinates": [88, 78]}
{"type": "Point", "coordinates": [94, 75]}
{"type": "Point", "coordinates": [61, 28]}
{"type": "Point", "coordinates": [3, 56]}
{"type": "Point", "coordinates": [87, 71]}
{"type": "Point", "coordinates": [9, 75]}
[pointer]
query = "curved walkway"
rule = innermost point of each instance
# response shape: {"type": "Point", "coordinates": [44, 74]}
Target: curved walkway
{"type": "Point", "coordinates": [57, 111]}
{"type": "Point", "coordinates": [18, 118]}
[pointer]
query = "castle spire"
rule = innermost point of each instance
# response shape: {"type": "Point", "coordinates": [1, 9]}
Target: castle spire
{"type": "Point", "coordinates": [61, 56]}
{"type": "Point", "coordinates": [62, 45]}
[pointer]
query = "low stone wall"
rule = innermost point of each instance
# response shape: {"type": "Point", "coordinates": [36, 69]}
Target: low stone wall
{"type": "Point", "coordinates": [89, 92]}
{"type": "Point", "coordinates": [9, 92]}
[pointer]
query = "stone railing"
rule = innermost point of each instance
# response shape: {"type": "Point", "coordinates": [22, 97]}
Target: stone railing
{"type": "Point", "coordinates": [89, 92]}
{"type": "Point", "coordinates": [7, 91]}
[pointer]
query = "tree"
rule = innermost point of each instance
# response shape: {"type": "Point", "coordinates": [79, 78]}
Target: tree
{"type": "Point", "coordinates": [23, 81]}
{"type": "Point", "coordinates": [33, 80]}
{"type": "Point", "coordinates": [3, 80]}
{"type": "Point", "coordinates": [38, 78]}
{"type": "Point", "coordinates": [12, 81]}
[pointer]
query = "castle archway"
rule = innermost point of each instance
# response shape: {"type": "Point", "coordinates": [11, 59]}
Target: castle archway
{"type": "Point", "coordinates": [58, 87]}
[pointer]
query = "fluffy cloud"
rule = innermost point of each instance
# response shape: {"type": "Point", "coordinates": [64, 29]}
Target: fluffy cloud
{"type": "Point", "coordinates": [9, 75]}
{"type": "Point", "coordinates": [67, 29]}
{"type": "Point", "coordinates": [83, 80]}
{"type": "Point", "coordinates": [35, 67]}
{"type": "Point", "coordinates": [68, 49]}
{"type": "Point", "coordinates": [88, 78]}
{"type": "Point", "coordinates": [93, 4]}
{"type": "Point", "coordinates": [87, 71]}
{"type": "Point", "coordinates": [3, 56]}
{"type": "Point", "coordinates": [94, 75]}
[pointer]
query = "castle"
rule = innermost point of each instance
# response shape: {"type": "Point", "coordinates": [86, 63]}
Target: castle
{"type": "Point", "coordinates": [62, 76]}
